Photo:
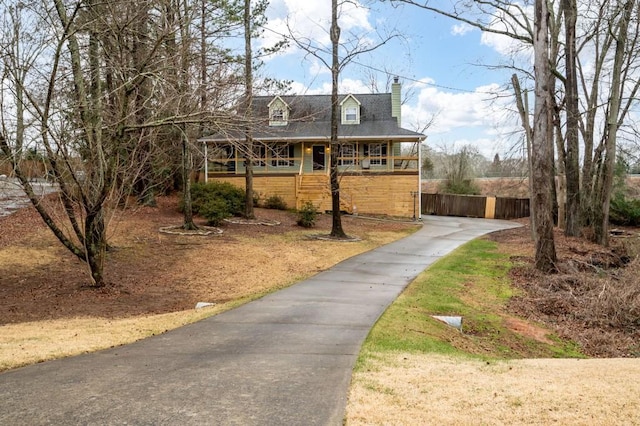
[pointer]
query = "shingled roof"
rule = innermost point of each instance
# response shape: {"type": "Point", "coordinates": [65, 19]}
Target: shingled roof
{"type": "Point", "coordinates": [310, 119]}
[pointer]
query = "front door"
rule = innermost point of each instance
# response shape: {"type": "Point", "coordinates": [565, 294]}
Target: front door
{"type": "Point", "coordinates": [318, 157]}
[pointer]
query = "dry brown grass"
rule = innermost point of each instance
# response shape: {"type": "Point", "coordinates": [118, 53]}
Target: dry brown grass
{"type": "Point", "coordinates": [155, 279]}
{"type": "Point", "coordinates": [32, 342]}
{"type": "Point", "coordinates": [425, 389]}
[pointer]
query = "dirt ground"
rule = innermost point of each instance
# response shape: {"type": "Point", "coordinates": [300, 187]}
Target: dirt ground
{"type": "Point", "coordinates": [149, 272]}
{"type": "Point", "coordinates": [593, 299]}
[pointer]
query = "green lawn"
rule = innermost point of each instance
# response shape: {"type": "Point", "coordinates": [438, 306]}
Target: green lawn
{"type": "Point", "coordinates": [473, 283]}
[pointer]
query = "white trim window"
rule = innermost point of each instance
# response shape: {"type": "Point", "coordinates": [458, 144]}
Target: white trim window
{"type": "Point", "coordinates": [347, 154]}
{"type": "Point", "coordinates": [377, 153]}
{"type": "Point", "coordinates": [259, 155]}
{"type": "Point", "coordinates": [350, 110]}
{"type": "Point", "coordinates": [277, 115]}
{"type": "Point", "coordinates": [351, 114]}
{"type": "Point", "coordinates": [278, 112]}
{"type": "Point", "coordinates": [282, 155]}
{"type": "Point", "coordinates": [222, 158]}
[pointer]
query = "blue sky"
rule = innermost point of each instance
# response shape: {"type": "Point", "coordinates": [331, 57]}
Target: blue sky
{"type": "Point", "coordinates": [436, 58]}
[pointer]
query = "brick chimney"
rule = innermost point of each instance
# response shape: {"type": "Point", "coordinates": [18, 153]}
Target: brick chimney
{"type": "Point", "coordinates": [396, 100]}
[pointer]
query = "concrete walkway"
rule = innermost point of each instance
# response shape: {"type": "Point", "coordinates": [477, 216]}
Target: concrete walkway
{"type": "Point", "coordinates": [285, 359]}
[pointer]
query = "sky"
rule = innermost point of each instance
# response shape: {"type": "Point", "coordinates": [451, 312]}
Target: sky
{"type": "Point", "coordinates": [439, 62]}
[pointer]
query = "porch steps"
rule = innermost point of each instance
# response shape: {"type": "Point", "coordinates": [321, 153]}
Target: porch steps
{"type": "Point", "coordinates": [315, 188]}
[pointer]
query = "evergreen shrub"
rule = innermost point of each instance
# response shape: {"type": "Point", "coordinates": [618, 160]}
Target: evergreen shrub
{"type": "Point", "coordinates": [307, 215]}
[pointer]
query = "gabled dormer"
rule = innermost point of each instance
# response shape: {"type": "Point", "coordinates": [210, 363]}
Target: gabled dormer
{"type": "Point", "coordinates": [278, 112]}
{"type": "Point", "coordinates": [350, 110]}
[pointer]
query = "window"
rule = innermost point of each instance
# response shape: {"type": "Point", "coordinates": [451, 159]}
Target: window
{"type": "Point", "coordinates": [282, 155]}
{"type": "Point", "coordinates": [222, 158]}
{"type": "Point", "coordinates": [377, 153]}
{"type": "Point", "coordinates": [350, 110]}
{"type": "Point", "coordinates": [277, 115]}
{"type": "Point", "coordinates": [278, 112]}
{"type": "Point", "coordinates": [351, 114]}
{"type": "Point", "coordinates": [347, 154]}
{"type": "Point", "coordinates": [259, 155]}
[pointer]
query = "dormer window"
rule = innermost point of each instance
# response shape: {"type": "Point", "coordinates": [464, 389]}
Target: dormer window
{"type": "Point", "coordinates": [277, 115]}
{"type": "Point", "coordinates": [278, 112]}
{"type": "Point", "coordinates": [351, 114]}
{"type": "Point", "coordinates": [350, 110]}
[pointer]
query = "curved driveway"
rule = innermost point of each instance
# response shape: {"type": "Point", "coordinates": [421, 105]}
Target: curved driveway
{"type": "Point", "coordinates": [285, 359]}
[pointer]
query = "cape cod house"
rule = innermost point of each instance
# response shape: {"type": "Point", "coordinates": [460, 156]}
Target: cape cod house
{"type": "Point", "coordinates": [378, 160]}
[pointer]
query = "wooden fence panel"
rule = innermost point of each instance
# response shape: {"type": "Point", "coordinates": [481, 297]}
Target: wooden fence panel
{"type": "Point", "coordinates": [473, 206]}
{"type": "Point", "coordinates": [428, 205]}
{"type": "Point", "coordinates": [511, 208]}
{"type": "Point", "coordinates": [453, 205]}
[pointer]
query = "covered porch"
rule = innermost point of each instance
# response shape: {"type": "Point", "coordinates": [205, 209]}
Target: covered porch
{"type": "Point", "coordinates": [311, 157]}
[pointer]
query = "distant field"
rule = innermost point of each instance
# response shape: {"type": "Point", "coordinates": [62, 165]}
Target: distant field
{"type": "Point", "coordinates": [513, 187]}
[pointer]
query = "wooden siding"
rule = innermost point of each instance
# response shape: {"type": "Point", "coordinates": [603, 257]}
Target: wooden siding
{"type": "Point", "coordinates": [379, 194]}
{"type": "Point", "coordinates": [266, 186]}
{"type": "Point", "coordinates": [387, 194]}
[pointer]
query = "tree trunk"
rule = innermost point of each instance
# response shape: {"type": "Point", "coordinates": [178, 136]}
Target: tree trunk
{"type": "Point", "coordinates": [143, 186]}
{"type": "Point", "coordinates": [522, 102]}
{"type": "Point", "coordinates": [248, 99]}
{"type": "Point", "coordinates": [95, 244]}
{"type": "Point", "coordinates": [187, 162]}
{"type": "Point", "coordinates": [336, 223]}
{"type": "Point", "coordinates": [601, 225]}
{"type": "Point", "coordinates": [545, 256]}
{"type": "Point", "coordinates": [572, 160]}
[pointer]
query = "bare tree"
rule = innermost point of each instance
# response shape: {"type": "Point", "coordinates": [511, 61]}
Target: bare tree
{"type": "Point", "coordinates": [613, 120]}
{"type": "Point", "coordinates": [248, 109]}
{"type": "Point", "coordinates": [542, 145]}
{"type": "Point", "coordinates": [336, 63]}
{"type": "Point", "coordinates": [334, 33]}
{"type": "Point", "coordinates": [597, 73]}
{"type": "Point", "coordinates": [91, 99]}
{"type": "Point", "coordinates": [572, 161]}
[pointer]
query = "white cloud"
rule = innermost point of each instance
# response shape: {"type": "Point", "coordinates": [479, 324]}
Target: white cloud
{"type": "Point", "coordinates": [461, 29]}
{"type": "Point", "coordinates": [309, 21]}
{"type": "Point", "coordinates": [348, 85]}
{"type": "Point", "coordinates": [475, 118]}
{"type": "Point", "coordinates": [318, 68]}
{"type": "Point", "coordinates": [509, 22]}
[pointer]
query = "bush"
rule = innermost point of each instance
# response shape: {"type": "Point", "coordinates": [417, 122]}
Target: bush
{"type": "Point", "coordinates": [215, 211]}
{"type": "Point", "coordinates": [275, 202]}
{"type": "Point", "coordinates": [307, 215]}
{"type": "Point", "coordinates": [203, 193]}
{"type": "Point", "coordinates": [624, 211]}
{"type": "Point", "coordinates": [462, 187]}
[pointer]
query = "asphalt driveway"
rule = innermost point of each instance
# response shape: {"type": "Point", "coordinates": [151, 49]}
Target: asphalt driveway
{"type": "Point", "coordinates": [285, 359]}
{"type": "Point", "coordinates": [12, 197]}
